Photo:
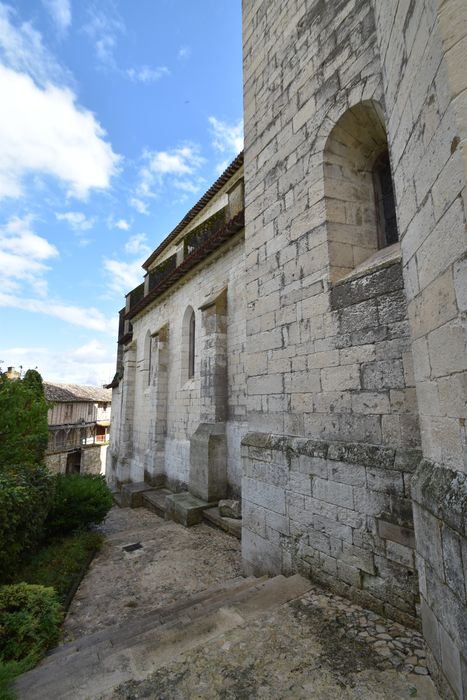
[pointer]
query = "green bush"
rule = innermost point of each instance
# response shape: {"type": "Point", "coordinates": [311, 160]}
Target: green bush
{"type": "Point", "coordinates": [8, 672]}
{"type": "Point", "coordinates": [30, 618]}
{"type": "Point", "coordinates": [80, 500]}
{"type": "Point", "coordinates": [61, 562]}
{"type": "Point", "coordinates": [26, 494]}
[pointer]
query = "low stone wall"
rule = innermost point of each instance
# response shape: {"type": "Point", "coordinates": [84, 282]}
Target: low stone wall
{"type": "Point", "coordinates": [440, 516]}
{"type": "Point", "coordinates": [339, 513]}
{"type": "Point", "coordinates": [93, 458]}
{"type": "Point", "coordinates": [56, 462]}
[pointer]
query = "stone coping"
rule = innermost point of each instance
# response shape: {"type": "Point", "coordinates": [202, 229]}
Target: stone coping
{"type": "Point", "coordinates": [395, 459]}
{"type": "Point", "coordinates": [443, 492]}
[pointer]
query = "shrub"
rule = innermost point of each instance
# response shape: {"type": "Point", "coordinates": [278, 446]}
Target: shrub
{"type": "Point", "coordinates": [8, 672]}
{"type": "Point", "coordinates": [26, 494]}
{"type": "Point", "coordinates": [80, 500]}
{"type": "Point", "coordinates": [61, 562]}
{"type": "Point", "coordinates": [30, 618]}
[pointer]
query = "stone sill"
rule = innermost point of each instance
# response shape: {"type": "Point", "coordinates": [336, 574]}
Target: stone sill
{"type": "Point", "coordinates": [382, 258]}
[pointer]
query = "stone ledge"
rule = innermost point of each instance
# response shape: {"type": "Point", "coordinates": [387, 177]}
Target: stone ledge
{"type": "Point", "coordinates": [186, 509]}
{"type": "Point", "coordinates": [368, 283]}
{"type": "Point", "coordinates": [402, 460]}
{"type": "Point", "coordinates": [443, 492]}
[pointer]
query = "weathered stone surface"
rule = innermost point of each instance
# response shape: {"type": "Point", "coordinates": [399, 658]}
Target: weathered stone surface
{"type": "Point", "coordinates": [347, 293]}
{"type": "Point", "coordinates": [208, 462]}
{"type": "Point", "coordinates": [229, 508]}
{"type": "Point", "coordinates": [186, 509]}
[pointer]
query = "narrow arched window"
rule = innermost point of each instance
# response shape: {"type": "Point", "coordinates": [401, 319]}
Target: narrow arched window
{"type": "Point", "coordinates": [147, 360]}
{"type": "Point", "coordinates": [191, 346]}
{"type": "Point", "coordinates": [385, 202]}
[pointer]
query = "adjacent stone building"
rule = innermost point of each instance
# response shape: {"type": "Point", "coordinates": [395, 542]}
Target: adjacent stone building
{"type": "Point", "coordinates": [79, 427]}
{"type": "Point", "coordinates": [305, 350]}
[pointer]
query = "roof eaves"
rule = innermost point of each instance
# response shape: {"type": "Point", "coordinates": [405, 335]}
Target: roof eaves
{"type": "Point", "coordinates": [194, 211]}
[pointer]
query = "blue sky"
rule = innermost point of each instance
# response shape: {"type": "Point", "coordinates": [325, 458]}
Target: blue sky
{"type": "Point", "coordinates": [116, 116]}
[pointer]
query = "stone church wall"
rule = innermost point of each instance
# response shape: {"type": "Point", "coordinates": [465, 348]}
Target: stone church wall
{"type": "Point", "coordinates": [308, 65]}
{"type": "Point", "coordinates": [337, 507]}
{"type": "Point", "coordinates": [424, 50]}
{"type": "Point", "coordinates": [135, 456]}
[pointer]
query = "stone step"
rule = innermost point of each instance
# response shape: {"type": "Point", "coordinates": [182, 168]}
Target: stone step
{"type": "Point", "coordinates": [93, 665]}
{"type": "Point", "coordinates": [158, 616]}
{"type": "Point", "coordinates": [230, 525]}
{"type": "Point", "coordinates": [156, 501]}
{"type": "Point", "coordinates": [117, 497]}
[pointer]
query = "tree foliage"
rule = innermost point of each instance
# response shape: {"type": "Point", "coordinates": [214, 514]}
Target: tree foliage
{"type": "Point", "coordinates": [23, 420]}
{"type": "Point", "coordinates": [26, 495]}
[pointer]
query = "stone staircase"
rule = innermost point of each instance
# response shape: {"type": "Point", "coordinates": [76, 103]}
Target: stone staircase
{"type": "Point", "coordinates": [90, 667]}
{"type": "Point", "coordinates": [181, 507]}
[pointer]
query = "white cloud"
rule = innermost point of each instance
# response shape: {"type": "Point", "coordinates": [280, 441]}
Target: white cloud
{"type": "Point", "coordinates": [122, 224]}
{"type": "Point", "coordinates": [90, 317]}
{"type": "Point", "coordinates": [22, 256]}
{"type": "Point", "coordinates": [60, 11]}
{"type": "Point", "coordinates": [136, 245]}
{"type": "Point", "coordinates": [94, 351]}
{"type": "Point", "coordinates": [147, 75]}
{"type": "Point", "coordinates": [61, 140]}
{"type": "Point", "coordinates": [92, 363]}
{"type": "Point", "coordinates": [123, 276]}
{"type": "Point", "coordinates": [179, 161]}
{"type": "Point", "coordinates": [227, 138]}
{"type": "Point", "coordinates": [103, 29]}
{"type": "Point", "coordinates": [43, 131]}
{"type": "Point", "coordinates": [22, 50]}
{"type": "Point", "coordinates": [192, 186]}
{"type": "Point", "coordinates": [184, 52]}
{"type": "Point", "coordinates": [76, 219]}
{"type": "Point", "coordinates": [177, 167]}
{"type": "Point", "coordinates": [140, 206]}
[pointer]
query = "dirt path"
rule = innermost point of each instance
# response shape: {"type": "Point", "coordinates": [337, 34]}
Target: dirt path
{"type": "Point", "coordinates": [318, 647]}
{"type": "Point", "coordinates": [171, 563]}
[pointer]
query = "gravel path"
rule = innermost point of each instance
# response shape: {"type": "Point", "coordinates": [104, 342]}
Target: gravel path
{"type": "Point", "coordinates": [319, 647]}
{"type": "Point", "coordinates": [171, 563]}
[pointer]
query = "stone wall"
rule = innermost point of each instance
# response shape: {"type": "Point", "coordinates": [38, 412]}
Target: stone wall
{"type": "Point", "coordinates": [440, 509]}
{"type": "Point", "coordinates": [424, 51]}
{"type": "Point", "coordinates": [56, 462]}
{"type": "Point", "coordinates": [93, 459]}
{"type": "Point", "coordinates": [337, 512]}
{"type": "Point", "coordinates": [186, 402]}
{"type": "Point", "coordinates": [317, 366]}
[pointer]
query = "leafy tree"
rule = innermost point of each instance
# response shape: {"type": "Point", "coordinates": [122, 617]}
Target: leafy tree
{"type": "Point", "coordinates": [23, 420]}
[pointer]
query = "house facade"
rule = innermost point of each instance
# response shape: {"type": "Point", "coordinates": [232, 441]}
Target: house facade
{"type": "Point", "coordinates": [299, 338]}
{"type": "Point", "coordinates": [79, 428]}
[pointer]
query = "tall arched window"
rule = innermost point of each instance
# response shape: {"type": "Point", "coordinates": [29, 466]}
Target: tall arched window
{"type": "Point", "coordinates": [358, 188]}
{"type": "Point", "coordinates": [191, 346]}
{"type": "Point", "coordinates": [188, 345]}
{"type": "Point", "coordinates": [385, 203]}
{"type": "Point", "coordinates": [147, 362]}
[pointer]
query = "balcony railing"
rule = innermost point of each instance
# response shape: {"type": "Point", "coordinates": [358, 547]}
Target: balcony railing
{"type": "Point", "coordinates": [195, 238]}
{"type": "Point", "coordinates": [162, 271]}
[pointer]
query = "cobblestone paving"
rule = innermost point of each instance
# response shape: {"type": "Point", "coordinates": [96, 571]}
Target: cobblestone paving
{"type": "Point", "coordinates": [396, 645]}
{"type": "Point", "coordinates": [319, 647]}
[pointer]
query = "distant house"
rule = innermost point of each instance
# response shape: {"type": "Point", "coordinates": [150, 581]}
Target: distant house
{"type": "Point", "coordinates": [79, 425]}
